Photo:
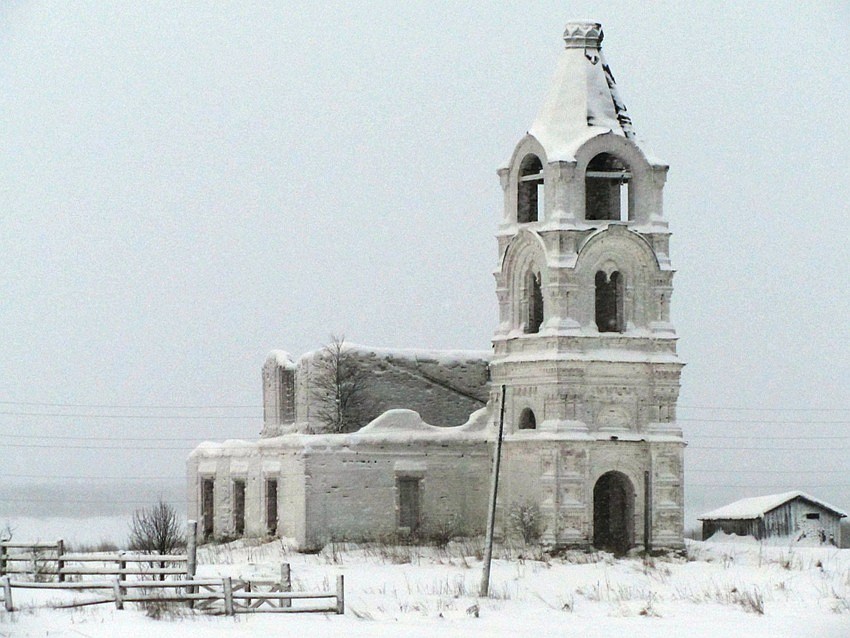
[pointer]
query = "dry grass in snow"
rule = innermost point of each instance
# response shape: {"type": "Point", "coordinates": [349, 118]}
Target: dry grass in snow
{"type": "Point", "coordinates": [391, 590]}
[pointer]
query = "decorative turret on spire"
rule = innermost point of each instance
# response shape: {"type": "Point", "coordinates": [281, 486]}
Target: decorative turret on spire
{"type": "Point", "coordinates": [583, 100]}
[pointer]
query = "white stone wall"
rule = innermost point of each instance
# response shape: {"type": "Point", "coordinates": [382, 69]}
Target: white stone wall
{"type": "Point", "coordinates": [353, 494]}
{"type": "Point", "coordinates": [344, 487]}
{"type": "Point", "coordinates": [559, 475]}
{"type": "Point", "coordinates": [252, 464]}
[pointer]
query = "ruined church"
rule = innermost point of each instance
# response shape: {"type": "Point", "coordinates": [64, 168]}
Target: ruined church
{"type": "Point", "coordinates": [583, 372]}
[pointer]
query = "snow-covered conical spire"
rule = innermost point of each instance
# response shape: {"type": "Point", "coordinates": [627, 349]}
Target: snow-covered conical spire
{"type": "Point", "coordinates": [583, 101]}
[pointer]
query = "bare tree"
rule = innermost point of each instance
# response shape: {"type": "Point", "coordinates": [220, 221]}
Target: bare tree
{"type": "Point", "coordinates": [339, 389]}
{"type": "Point", "coordinates": [156, 529]}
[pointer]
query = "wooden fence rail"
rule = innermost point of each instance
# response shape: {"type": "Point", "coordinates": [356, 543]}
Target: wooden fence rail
{"type": "Point", "coordinates": [236, 596]}
{"type": "Point", "coordinates": [47, 560]}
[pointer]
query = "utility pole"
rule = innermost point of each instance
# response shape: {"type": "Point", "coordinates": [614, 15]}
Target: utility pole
{"type": "Point", "coordinates": [494, 489]}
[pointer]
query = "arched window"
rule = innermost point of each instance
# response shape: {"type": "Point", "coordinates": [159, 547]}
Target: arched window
{"type": "Point", "coordinates": [609, 302]}
{"type": "Point", "coordinates": [606, 188]}
{"type": "Point", "coordinates": [527, 420]}
{"type": "Point", "coordinates": [529, 200]}
{"type": "Point", "coordinates": [534, 291]}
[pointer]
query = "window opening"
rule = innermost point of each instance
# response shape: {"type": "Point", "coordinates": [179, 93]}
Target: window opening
{"type": "Point", "coordinates": [408, 503]}
{"type": "Point", "coordinates": [207, 506]}
{"type": "Point", "coordinates": [271, 507]}
{"type": "Point", "coordinates": [530, 190]}
{"type": "Point", "coordinates": [609, 302]}
{"type": "Point", "coordinates": [606, 187]}
{"type": "Point", "coordinates": [239, 507]}
{"type": "Point", "coordinates": [814, 516]}
{"type": "Point", "coordinates": [527, 420]}
{"type": "Point", "coordinates": [535, 303]}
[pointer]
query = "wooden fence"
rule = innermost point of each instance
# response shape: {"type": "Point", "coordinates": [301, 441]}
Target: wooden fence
{"type": "Point", "coordinates": [44, 561]}
{"type": "Point", "coordinates": [228, 596]}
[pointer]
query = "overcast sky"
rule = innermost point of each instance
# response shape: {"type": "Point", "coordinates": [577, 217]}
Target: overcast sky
{"type": "Point", "coordinates": [185, 186]}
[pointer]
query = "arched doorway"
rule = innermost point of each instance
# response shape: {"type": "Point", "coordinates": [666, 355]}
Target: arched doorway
{"type": "Point", "coordinates": [613, 513]}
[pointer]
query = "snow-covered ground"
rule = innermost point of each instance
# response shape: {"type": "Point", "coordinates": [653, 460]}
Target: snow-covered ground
{"type": "Point", "coordinates": [723, 587]}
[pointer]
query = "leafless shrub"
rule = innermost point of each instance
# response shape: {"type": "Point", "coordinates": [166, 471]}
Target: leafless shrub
{"type": "Point", "coordinates": [156, 529]}
{"type": "Point", "coordinates": [443, 531]}
{"type": "Point", "coordinates": [162, 609]}
{"type": "Point", "coordinates": [39, 568]}
{"type": "Point", "coordinates": [526, 520]}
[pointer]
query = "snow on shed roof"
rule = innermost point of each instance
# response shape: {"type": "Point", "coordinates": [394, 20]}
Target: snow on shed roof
{"type": "Point", "coordinates": [758, 506]}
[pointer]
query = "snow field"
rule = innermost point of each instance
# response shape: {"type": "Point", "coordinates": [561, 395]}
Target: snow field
{"type": "Point", "coordinates": [737, 588]}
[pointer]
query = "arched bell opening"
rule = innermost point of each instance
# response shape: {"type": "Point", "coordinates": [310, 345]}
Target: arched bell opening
{"type": "Point", "coordinates": [613, 513]}
{"type": "Point", "coordinates": [606, 188]}
{"type": "Point", "coordinates": [530, 190]}
{"type": "Point", "coordinates": [534, 293]}
{"type": "Point", "coordinates": [609, 302]}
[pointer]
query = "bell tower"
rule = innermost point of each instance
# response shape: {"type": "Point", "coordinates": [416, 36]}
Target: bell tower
{"type": "Point", "coordinates": [584, 346]}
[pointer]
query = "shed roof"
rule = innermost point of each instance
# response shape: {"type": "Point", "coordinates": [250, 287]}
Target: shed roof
{"type": "Point", "coordinates": [758, 506]}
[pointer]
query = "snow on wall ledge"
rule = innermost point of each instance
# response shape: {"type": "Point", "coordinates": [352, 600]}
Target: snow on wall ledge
{"type": "Point", "coordinates": [393, 426]}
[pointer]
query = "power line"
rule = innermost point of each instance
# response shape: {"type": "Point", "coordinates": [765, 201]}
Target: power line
{"type": "Point", "coordinates": [765, 421]}
{"type": "Point", "coordinates": [53, 477]}
{"type": "Point", "coordinates": [230, 406]}
{"type": "Point", "coordinates": [152, 438]}
{"type": "Point", "coordinates": [199, 440]}
{"type": "Point", "coordinates": [114, 501]}
{"type": "Point", "coordinates": [69, 437]}
{"type": "Point", "coordinates": [751, 409]}
{"type": "Point", "coordinates": [757, 437]}
{"type": "Point", "coordinates": [119, 406]}
{"type": "Point", "coordinates": [187, 417]}
{"type": "Point", "coordinates": [689, 470]}
{"type": "Point", "coordinates": [768, 449]}
{"type": "Point", "coordinates": [90, 447]}
{"type": "Point", "coordinates": [178, 417]}
{"type": "Point", "coordinates": [773, 486]}
{"type": "Point", "coordinates": [78, 501]}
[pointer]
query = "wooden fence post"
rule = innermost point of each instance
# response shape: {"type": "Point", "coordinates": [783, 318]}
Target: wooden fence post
{"type": "Point", "coordinates": [122, 566]}
{"type": "Point", "coordinates": [60, 564]}
{"type": "Point", "coordinates": [340, 594]}
{"type": "Point", "coordinates": [7, 593]}
{"type": "Point", "coordinates": [191, 557]}
{"type": "Point", "coordinates": [192, 549]}
{"type": "Point", "coordinates": [285, 583]}
{"type": "Point", "coordinates": [116, 589]}
{"type": "Point", "coordinates": [227, 584]}
{"type": "Point", "coordinates": [2, 559]}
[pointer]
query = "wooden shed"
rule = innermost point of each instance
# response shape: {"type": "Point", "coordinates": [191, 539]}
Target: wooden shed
{"type": "Point", "coordinates": [791, 514]}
